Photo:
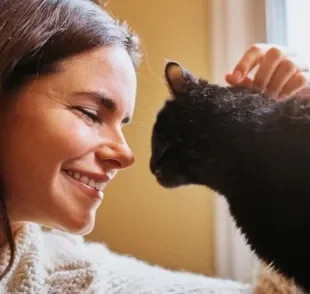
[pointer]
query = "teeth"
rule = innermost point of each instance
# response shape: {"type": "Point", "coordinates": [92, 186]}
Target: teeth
{"type": "Point", "coordinates": [101, 194]}
{"type": "Point", "coordinates": [89, 182]}
{"type": "Point", "coordinates": [92, 183]}
{"type": "Point", "coordinates": [84, 180]}
{"type": "Point", "coordinates": [76, 175]}
{"type": "Point", "coordinates": [99, 186]}
{"type": "Point", "coordinates": [109, 174]}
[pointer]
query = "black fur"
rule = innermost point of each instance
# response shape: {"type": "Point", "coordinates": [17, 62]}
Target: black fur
{"type": "Point", "coordinates": [250, 148]}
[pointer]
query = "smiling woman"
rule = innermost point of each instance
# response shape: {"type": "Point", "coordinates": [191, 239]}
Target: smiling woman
{"type": "Point", "coordinates": [68, 86]}
{"type": "Point", "coordinates": [87, 133]}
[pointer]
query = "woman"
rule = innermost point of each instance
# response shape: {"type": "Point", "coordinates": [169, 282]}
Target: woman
{"type": "Point", "coordinates": [68, 87]}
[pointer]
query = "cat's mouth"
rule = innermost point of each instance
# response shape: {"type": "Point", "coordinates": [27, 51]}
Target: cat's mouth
{"type": "Point", "coordinates": [163, 165]}
{"type": "Point", "coordinates": [166, 178]}
{"type": "Point", "coordinates": [172, 182]}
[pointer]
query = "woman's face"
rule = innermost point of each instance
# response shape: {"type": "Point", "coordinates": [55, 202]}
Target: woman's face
{"type": "Point", "coordinates": [64, 141]}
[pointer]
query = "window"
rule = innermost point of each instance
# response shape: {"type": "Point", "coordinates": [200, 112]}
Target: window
{"type": "Point", "coordinates": [276, 23]}
{"type": "Point", "coordinates": [234, 26]}
{"type": "Point", "coordinates": [297, 26]}
{"type": "Point", "coordinates": [287, 23]}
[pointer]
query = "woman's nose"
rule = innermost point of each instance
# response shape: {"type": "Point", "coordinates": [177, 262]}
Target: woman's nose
{"type": "Point", "coordinates": [117, 153]}
{"type": "Point", "coordinates": [124, 156]}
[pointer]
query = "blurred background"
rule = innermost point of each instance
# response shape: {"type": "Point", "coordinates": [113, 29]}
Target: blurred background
{"type": "Point", "coordinates": [187, 228]}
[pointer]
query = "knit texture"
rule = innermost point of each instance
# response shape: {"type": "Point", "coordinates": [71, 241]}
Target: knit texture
{"type": "Point", "coordinates": [57, 262]}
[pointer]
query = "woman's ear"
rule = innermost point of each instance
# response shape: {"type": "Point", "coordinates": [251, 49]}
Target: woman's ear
{"type": "Point", "coordinates": [178, 77]}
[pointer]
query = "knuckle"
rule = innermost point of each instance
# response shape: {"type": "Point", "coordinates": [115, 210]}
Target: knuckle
{"type": "Point", "coordinates": [255, 48]}
{"type": "Point", "coordinates": [274, 53]}
{"type": "Point", "coordinates": [287, 65]}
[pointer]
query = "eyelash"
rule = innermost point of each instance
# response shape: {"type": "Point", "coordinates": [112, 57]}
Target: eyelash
{"type": "Point", "coordinates": [89, 114]}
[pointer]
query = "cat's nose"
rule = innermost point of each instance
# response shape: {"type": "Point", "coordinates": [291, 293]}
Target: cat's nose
{"type": "Point", "coordinates": [153, 167]}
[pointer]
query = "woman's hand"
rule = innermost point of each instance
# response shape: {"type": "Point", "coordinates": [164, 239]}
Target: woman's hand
{"type": "Point", "coordinates": [280, 73]}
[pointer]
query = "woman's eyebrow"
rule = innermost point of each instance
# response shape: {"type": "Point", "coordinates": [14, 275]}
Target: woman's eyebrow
{"type": "Point", "coordinates": [107, 102]}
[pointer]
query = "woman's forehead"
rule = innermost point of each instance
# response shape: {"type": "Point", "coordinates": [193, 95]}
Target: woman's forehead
{"type": "Point", "coordinates": [105, 72]}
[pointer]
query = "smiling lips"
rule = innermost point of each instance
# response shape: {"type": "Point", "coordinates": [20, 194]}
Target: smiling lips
{"type": "Point", "coordinates": [95, 181]}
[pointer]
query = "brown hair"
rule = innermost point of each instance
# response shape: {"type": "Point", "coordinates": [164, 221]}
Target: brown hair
{"type": "Point", "coordinates": [35, 35]}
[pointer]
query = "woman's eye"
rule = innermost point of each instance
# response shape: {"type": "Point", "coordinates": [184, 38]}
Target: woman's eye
{"type": "Point", "coordinates": [89, 114]}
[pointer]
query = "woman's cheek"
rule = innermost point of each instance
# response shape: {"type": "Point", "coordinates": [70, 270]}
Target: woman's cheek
{"type": "Point", "coordinates": [71, 135]}
{"type": "Point", "coordinates": [79, 140]}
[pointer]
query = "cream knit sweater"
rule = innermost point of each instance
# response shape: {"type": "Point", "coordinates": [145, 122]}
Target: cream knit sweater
{"type": "Point", "coordinates": [56, 262]}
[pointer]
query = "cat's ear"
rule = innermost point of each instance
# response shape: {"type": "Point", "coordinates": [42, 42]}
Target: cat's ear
{"type": "Point", "coordinates": [178, 77]}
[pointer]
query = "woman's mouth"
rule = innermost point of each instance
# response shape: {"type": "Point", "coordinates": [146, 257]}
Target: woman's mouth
{"type": "Point", "coordinates": [86, 180]}
{"type": "Point", "coordinates": [89, 184]}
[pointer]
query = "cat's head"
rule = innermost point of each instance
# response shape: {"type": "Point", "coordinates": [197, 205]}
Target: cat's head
{"type": "Point", "coordinates": [180, 141]}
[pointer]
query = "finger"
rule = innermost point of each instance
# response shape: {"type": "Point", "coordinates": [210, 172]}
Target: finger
{"type": "Point", "coordinates": [296, 83]}
{"type": "Point", "coordinates": [252, 57]}
{"type": "Point", "coordinates": [269, 64]}
{"type": "Point", "coordinates": [285, 70]}
{"type": "Point", "coordinates": [284, 49]}
{"type": "Point", "coordinates": [247, 62]}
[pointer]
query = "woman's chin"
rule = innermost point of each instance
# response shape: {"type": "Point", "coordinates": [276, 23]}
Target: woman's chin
{"type": "Point", "coordinates": [78, 226]}
{"type": "Point", "coordinates": [83, 228]}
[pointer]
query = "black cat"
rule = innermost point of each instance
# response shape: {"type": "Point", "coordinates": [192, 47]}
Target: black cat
{"type": "Point", "coordinates": [253, 150]}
